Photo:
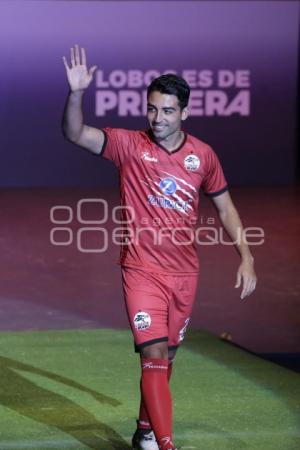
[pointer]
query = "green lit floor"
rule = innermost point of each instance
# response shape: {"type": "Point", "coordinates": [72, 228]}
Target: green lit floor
{"type": "Point", "coordinates": [79, 390]}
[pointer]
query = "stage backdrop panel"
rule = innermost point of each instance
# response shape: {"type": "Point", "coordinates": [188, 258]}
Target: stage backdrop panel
{"type": "Point", "coordinates": [240, 59]}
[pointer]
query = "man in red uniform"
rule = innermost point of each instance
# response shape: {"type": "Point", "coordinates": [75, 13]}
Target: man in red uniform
{"type": "Point", "coordinates": [161, 172]}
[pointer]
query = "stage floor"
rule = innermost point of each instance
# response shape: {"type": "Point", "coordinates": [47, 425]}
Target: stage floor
{"type": "Point", "coordinates": [55, 287]}
{"type": "Point", "coordinates": [79, 389]}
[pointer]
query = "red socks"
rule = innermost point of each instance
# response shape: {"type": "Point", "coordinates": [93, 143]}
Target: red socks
{"type": "Point", "coordinates": [143, 421]}
{"type": "Point", "coordinates": [157, 400]}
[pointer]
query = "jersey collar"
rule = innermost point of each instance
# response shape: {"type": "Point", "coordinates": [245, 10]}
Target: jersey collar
{"type": "Point", "coordinates": [150, 135]}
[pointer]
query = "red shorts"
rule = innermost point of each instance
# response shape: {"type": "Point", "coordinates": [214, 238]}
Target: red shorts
{"type": "Point", "coordinates": [159, 306]}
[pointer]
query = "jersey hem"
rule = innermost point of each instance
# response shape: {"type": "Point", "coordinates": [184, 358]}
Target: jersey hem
{"type": "Point", "coordinates": [163, 272]}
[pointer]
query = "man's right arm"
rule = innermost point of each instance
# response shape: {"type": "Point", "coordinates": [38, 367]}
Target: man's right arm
{"type": "Point", "coordinates": [75, 130]}
{"type": "Point", "coordinates": [73, 127]}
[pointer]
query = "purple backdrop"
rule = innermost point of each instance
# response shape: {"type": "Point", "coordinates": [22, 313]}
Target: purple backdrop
{"type": "Point", "coordinates": [242, 63]}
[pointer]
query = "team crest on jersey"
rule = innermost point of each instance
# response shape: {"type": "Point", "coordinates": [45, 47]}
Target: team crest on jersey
{"type": "Point", "coordinates": [191, 162]}
{"type": "Point", "coordinates": [142, 320]}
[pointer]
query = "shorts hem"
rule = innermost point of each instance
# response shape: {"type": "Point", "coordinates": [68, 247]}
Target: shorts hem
{"type": "Point", "coordinates": [138, 347]}
{"type": "Point", "coordinates": [173, 347]}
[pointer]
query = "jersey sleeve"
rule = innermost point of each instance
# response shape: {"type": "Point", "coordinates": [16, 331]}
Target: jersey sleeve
{"type": "Point", "coordinates": [116, 145]}
{"type": "Point", "coordinates": [214, 182]}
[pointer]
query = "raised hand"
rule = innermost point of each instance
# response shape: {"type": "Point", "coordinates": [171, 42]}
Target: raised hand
{"type": "Point", "coordinates": [79, 77]}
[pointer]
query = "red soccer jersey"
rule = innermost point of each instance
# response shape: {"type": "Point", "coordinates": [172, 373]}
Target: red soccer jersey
{"type": "Point", "coordinates": [161, 191]}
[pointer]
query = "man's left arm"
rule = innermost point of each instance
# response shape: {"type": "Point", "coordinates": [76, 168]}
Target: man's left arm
{"type": "Point", "coordinates": [232, 223]}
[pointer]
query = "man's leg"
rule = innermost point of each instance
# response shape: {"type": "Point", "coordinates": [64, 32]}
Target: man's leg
{"type": "Point", "coordinates": [147, 303]}
{"type": "Point", "coordinates": [156, 392]}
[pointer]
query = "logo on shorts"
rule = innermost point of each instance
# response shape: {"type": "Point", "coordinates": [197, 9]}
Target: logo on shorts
{"type": "Point", "coordinates": [183, 330]}
{"type": "Point", "coordinates": [192, 163]}
{"type": "Point", "coordinates": [142, 321]}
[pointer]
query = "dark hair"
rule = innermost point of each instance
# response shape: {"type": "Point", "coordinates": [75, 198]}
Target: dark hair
{"type": "Point", "coordinates": [173, 85]}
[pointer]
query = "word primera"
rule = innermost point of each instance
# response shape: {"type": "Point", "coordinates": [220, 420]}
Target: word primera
{"type": "Point", "coordinates": [125, 92]}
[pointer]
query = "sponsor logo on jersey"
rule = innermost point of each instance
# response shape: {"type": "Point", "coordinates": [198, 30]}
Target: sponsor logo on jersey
{"type": "Point", "coordinates": [168, 186]}
{"type": "Point", "coordinates": [147, 157]}
{"type": "Point", "coordinates": [183, 330]}
{"type": "Point", "coordinates": [191, 162]}
{"type": "Point", "coordinates": [142, 320]}
{"type": "Point", "coordinates": [169, 191]}
{"type": "Point", "coordinates": [163, 202]}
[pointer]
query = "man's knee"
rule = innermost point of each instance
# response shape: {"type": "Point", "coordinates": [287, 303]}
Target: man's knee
{"type": "Point", "coordinates": [156, 351]}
